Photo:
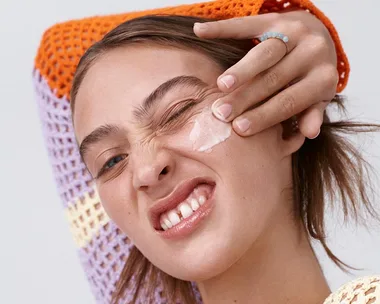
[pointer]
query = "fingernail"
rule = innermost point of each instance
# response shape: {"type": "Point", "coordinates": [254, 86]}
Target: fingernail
{"type": "Point", "coordinates": [243, 124]}
{"type": "Point", "coordinates": [228, 81]}
{"type": "Point", "coordinates": [222, 111]}
{"type": "Point", "coordinates": [201, 26]}
{"type": "Point", "coordinates": [319, 132]}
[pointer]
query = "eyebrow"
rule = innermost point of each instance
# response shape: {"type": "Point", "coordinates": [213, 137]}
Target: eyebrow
{"type": "Point", "coordinates": [95, 136]}
{"type": "Point", "coordinates": [149, 102]}
{"type": "Point", "coordinates": [142, 112]}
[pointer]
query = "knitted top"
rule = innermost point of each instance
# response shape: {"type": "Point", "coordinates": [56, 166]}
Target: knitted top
{"type": "Point", "coordinates": [364, 290]}
{"type": "Point", "coordinates": [102, 247]}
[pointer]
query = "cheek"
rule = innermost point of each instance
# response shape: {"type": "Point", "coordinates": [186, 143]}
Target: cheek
{"type": "Point", "coordinates": [202, 134]}
{"type": "Point", "coordinates": [257, 178]}
{"type": "Point", "coordinates": [255, 160]}
{"type": "Point", "coordinates": [118, 202]}
{"type": "Point", "coordinates": [208, 132]}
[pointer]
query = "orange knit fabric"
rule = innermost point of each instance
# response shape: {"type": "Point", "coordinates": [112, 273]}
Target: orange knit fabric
{"type": "Point", "coordinates": [63, 44]}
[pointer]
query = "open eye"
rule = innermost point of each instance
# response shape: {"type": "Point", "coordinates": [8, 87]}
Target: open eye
{"type": "Point", "coordinates": [111, 163]}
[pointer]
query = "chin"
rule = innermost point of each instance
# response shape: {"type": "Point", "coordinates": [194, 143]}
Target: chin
{"type": "Point", "coordinates": [201, 270]}
{"type": "Point", "coordinates": [203, 262]}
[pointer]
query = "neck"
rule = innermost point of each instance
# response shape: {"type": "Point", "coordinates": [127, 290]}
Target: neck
{"type": "Point", "coordinates": [281, 267]}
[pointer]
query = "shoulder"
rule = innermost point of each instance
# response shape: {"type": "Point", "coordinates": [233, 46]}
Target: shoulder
{"type": "Point", "coordinates": [365, 290]}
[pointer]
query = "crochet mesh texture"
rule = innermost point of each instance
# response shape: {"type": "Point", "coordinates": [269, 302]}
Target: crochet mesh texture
{"type": "Point", "coordinates": [63, 44]}
{"type": "Point", "coordinates": [103, 248]}
{"type": "Point", "coordinates": [364, 290]}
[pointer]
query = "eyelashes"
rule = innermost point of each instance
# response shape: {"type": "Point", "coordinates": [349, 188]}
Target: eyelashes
{"type": "Point", "coordinates": [173, 114]}
{"type": "Point", "coordinates": [181, 111]}
{"type": "Point", "coordinates": [112, 163]}
{"type": "Point", "coordinates": [169, 120]}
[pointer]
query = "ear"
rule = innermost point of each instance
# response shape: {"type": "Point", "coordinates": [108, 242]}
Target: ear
{"type": "Point", "coordinates": [292, 139]}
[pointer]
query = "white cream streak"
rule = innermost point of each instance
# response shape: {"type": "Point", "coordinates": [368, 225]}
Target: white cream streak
{"type": "Point", "coordinates": [208, 131]}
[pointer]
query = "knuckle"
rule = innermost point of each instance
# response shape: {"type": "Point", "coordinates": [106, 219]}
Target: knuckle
{"type": "Point", "coordinates": [271, 79]}
{"type": "Point", "coordinates": [319, 45]}
{"type": "Point", "coordinates": [333, 73]}
{"type": "Point", "coordinates": [300, 27]}
{"type": "Point", "coordinates": [329, 96]}
{"type": "Point", "coordinates": [267, 52]}
{"type": "Point", "coordinates": [288, 104]}
{"type": "Point", "coordinates": [330, 77]}
{"type": "Point", "coordinates": [275, 17]}
{"type": "Point", "coordinates": [259, 117]}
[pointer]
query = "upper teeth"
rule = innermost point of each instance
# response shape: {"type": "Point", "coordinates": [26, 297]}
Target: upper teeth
{"type": "Point", "coordinates": [185, 209]}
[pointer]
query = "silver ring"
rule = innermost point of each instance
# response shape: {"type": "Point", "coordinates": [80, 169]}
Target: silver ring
{"type": "Point", "coordinates": [275, 35]}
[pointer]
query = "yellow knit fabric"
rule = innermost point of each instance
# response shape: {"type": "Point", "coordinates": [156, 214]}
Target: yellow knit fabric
{"type": "Point", "coordinates": [86, 216]}
{"type": "Point", "coordinates": [365, 290]}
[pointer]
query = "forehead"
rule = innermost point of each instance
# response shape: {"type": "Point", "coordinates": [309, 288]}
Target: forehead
{"type": "Point", "coordinates": [121, 79]}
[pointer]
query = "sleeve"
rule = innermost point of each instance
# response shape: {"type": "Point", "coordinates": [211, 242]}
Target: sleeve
{"type": "Point", "coordinates": [63, 44]}
{"type": "Point", "coordinates": [343, 67]}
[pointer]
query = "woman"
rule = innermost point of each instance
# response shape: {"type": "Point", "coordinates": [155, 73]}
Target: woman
{"type": "Point", "coordinates": [201, 204]}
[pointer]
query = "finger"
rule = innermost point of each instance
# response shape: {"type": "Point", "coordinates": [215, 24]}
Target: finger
{"type": "Point", "coordinates": [258, 59]}
{"type": "Point", "coordinates": [311, 120]}
{"type": "Point", "coordinates": [289, 102]}
{"type": "Point", "coordinates": [249, 95]}
{"type": "Point", "coordinates": [237, 28]}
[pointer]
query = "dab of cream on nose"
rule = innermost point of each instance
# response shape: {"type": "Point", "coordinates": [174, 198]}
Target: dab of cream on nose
{"type": "Point", "coordinates": [208, 131]}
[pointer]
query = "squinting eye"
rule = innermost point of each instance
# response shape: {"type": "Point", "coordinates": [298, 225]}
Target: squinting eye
{"type": "Point", "coordinates": [190, 104]}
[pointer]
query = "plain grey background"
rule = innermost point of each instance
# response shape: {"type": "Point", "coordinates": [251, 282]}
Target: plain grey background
{"type": "Point", "coordinates": [38, 258]}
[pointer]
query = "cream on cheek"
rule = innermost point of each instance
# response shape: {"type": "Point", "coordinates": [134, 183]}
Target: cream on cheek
{"type": "Point", "coordinates": [201, 133]}
{"type": "Point", "coordinates": [208, 131]}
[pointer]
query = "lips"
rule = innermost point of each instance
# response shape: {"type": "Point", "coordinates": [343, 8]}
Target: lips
{"type": "Point", "coordinates": [178, 195]}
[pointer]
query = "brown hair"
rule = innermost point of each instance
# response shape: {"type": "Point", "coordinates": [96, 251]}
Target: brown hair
{"type": "Point", "coordinates": [328, 167]}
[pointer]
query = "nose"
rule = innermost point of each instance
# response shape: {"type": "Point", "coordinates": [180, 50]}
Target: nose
{"type": "Point", "coordinates": [152, 169]}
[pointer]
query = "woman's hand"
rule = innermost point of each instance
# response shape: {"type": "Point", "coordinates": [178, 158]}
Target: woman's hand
{"type": "Point", "coordinates": [308, 65]}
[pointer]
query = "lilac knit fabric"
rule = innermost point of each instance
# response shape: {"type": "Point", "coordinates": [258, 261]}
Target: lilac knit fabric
{"type": "Point", "coordinates": [103, 255]}
{"type": "Point", "coordinates": [71, 175]}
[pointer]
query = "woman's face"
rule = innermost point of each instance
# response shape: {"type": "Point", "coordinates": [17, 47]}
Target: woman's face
{"type": "Point", "coordinates": [146, 161]}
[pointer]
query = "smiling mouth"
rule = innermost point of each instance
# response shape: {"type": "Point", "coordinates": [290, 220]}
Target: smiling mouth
{"type": "Point", "coordinates": [185, 209]}
{"type": "Point", "coordinates": [179, 213]}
